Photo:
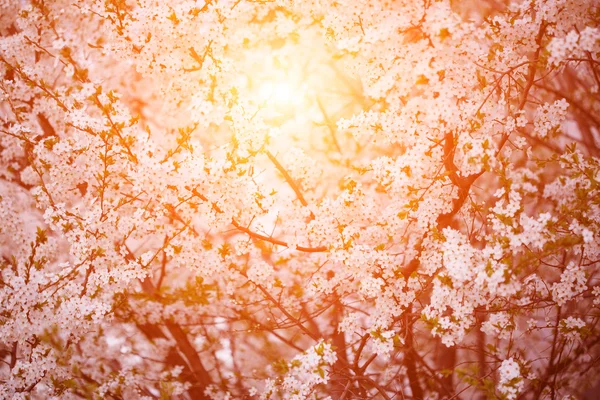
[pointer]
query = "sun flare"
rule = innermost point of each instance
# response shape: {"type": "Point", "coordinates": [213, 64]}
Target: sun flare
{"type": "Point", "coordinates": [279, 93]}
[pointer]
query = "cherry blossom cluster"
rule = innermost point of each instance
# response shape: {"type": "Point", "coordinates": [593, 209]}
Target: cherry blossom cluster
{"type": "Point", "coordinates": [290, 199]}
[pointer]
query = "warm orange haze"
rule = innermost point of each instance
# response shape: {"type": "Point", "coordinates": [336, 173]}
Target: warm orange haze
{"type": "Point", "coordinates": [299, 199]}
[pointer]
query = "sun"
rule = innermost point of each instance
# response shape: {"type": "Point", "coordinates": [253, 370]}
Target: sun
{"type": "Point", "coordinates": [282, 94]}
{"type": "Point", "coordinates": [279, 92]}
{"type": "Point", "coordinates": [293, 86]}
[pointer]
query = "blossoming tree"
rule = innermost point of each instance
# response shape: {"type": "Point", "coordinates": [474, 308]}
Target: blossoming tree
{"type": "Point", "coordinates": [292, 199]}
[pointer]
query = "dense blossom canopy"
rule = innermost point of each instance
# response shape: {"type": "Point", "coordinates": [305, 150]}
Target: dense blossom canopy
{"type": "Point", "coordinates": [299, 199]}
